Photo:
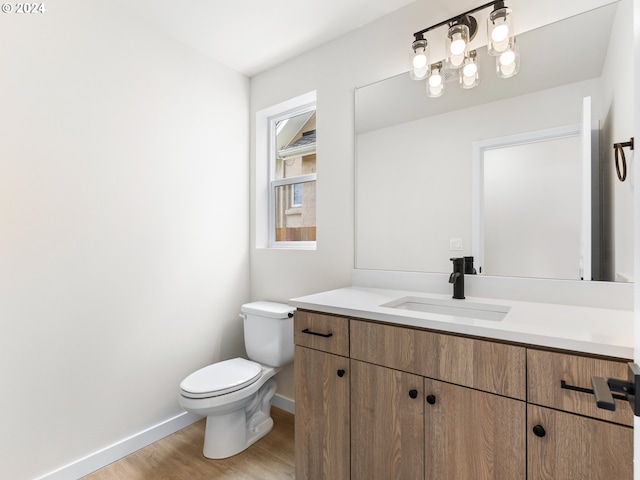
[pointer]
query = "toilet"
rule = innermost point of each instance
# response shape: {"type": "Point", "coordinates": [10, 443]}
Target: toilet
{"type": "Point", "coordinates": [235, 395]}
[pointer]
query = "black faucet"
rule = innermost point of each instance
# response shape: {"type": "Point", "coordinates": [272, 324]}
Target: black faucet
{"type": "Point", "coordinates": [469, 269]}
{"type": "Point", "coordinates": [457, 278]}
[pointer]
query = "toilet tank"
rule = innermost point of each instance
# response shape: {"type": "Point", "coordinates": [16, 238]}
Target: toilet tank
{"type": "Point", "coordinates": [268, 332]}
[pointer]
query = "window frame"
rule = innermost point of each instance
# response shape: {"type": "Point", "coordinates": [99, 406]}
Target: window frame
{"type": "Point", "coordinates": [274, 183]}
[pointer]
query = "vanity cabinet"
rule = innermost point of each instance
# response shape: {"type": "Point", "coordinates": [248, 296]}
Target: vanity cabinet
{"type": "Point", "coordinates": [322, 420]}
{"type": "Point", "coordinates": [443, 429]}
{"type": "Point", "coordinates": [418, 404]}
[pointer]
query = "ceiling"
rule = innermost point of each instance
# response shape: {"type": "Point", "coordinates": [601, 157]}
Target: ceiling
{"type": "Point", "coordinates": [251, 36]}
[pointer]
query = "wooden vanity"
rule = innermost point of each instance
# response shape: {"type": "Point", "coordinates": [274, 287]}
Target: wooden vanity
{"type": "Point", "coordinates": [377, 400]}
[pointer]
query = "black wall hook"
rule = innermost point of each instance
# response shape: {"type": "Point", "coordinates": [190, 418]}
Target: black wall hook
{"type": "Point", "coordinates": [621, 161]}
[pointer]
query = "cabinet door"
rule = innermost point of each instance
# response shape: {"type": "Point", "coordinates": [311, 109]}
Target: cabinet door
{"type": "Point", "coordinates": [564, 446]}
{"type": "Point", "coordinates": [322, 415]}
{"type": "Point", "coordinates": [473, 435]}
{"type": "Point", "coordinates": [387, 423]}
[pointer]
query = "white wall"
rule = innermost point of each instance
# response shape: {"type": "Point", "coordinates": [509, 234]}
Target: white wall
{"type": "Point", "coordinates": [123, 228]}
{"type": "Point", "coordinates": [618, 79]}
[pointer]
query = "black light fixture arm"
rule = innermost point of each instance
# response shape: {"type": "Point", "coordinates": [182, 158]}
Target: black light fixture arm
{"type": "Point", "coordinates": [420, 35]}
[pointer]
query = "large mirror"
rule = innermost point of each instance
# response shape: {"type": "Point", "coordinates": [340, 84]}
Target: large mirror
{"type": "Point", "coordinates": [415, 206]}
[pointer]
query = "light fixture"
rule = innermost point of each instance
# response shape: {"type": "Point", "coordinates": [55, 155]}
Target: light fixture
{"type": "Point", "coordinates": [457, 45]}
{"type": "Point", "coordinates": [499, 29]}
{"type": "Point", "coordinates": [419, 58]}
{"type": "Point", "coordinates": [460, 63]}
{"type": "Point", "coordinates": [435, 82]}
{"type": "Point", "coordinates": [508, 62]}
{"type": "Point", "coordinates": [461, 31]}
{"type": "Point", "coordinates": [469, 75]}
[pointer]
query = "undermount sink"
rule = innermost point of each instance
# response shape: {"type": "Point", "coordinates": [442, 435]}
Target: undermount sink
{"type": "Point", "coordinates": [455, 308]}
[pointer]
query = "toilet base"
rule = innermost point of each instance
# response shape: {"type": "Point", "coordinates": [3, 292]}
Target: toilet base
{"type": "Point", "coordinates": [231, 433]}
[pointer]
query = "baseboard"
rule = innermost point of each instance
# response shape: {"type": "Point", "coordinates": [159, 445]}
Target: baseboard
{"type": "Point", "coordinates": [284, 403]}
{"type": "Point", "coordinates": [121, 449]}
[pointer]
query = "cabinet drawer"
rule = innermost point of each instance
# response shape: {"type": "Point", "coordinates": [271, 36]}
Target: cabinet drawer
{"type": "Point", "coordinates": [483, 365]}
{"type": "Point", "coordinates": [548, 370]}
{"type": "Point", "coordinates": [329, 333]}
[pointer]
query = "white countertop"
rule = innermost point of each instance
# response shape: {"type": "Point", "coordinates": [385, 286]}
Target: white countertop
{"type": "Point", "coordinates": [598, 331]}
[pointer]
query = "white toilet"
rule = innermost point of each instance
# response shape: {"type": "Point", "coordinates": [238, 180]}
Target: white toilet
{"type": "Point", "coordinates": [235, 395]}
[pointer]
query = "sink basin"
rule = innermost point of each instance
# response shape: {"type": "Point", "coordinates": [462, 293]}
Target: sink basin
{"type": "Point", "coordinates": [455, 308]}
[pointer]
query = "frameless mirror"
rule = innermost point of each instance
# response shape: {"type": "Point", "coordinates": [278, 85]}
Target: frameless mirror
{"type": "Point", "coordinates": [414, 165]}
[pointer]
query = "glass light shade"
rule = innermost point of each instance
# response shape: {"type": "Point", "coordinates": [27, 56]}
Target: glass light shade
{"type": "Point", "coordinates": [419, 60]}
{"type": "Point", "coordinates": [508, 63]}
{"type": "Point", "coordinates": [499, 31]}
{"type": "Point", "coordinates": [469, 74]}
{"type": "Point", "coordinates": [419, 63]}
{"type": "Point", "coordinates": [457, 45]}
{"type": "Point", "coordinates": [435, 83]}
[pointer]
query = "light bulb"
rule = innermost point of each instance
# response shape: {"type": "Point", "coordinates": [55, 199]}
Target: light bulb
{"type": "Point", "coordinates": [470, 70]}
{"type": "Point", "coordinates": [420, 59]}
{"type": "Point", "coordinates": [508, 63]}
{"type": "Point", "coordinates": [507, 70]}
{"type": "Point", "coordinates": [420, 73]}
{"type": "Point", "coordinates": [469, 80]}
{"type": "Point", "coordinates": [435, 80]}
{"type": "Point", "coordinates": [500, 33]}
{"type": "Point", "coordinates": [507, 58]}
{"type": "Point", "coordinates": [436, 91]}
{"type": "Point", "coordinates": [457, 45]}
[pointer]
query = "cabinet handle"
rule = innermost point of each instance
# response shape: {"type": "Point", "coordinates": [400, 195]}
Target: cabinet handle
{"type": "Point", "coordinates": [309, 332]}
{"type": "Point", "coordinates": [413, 393]}
{"type": "Point", "coordinates": [431, 399]}
{"type": "Point", "coordinates": [341, 373]}
{"type": "Point", "coordinates": [590, 391]}
{"type": "Point", "coordinates": [539, 431]}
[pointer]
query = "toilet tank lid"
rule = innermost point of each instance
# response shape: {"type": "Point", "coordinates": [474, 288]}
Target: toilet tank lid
{"type": "Point", "coordinates": [268, 309]}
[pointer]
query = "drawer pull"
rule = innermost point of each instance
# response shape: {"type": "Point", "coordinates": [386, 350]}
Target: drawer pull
{"type": "Point", "coordinates": [324, 335]}
{"type": "Point", "coordinates": [590, 391]}
{"type": "Point", "coordinates": [413, 393]}
{"type": "Point", "coordinates": [431, 399]}
{"type": "Point", "coordinates": [539, 431]}
{"type": "Point", "coordinates": [341, 373]}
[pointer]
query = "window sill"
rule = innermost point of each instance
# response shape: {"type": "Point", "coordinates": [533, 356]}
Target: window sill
{"type": "Point", "coordinates": [292, 246]}
{"type": "Point", "coordinates": [293, 211]}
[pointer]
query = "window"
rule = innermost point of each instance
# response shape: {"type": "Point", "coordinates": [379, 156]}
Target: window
{"type": "Point", "coordinates": [296, 195]}
{"type": "Point", "coordinates": [292, 178]}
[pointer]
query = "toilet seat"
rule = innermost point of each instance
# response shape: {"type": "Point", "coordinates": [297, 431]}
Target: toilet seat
{"type": "Point", "coordinates": [221, 378]}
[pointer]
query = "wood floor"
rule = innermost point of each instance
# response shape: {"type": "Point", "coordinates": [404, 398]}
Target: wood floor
{"type": "Point", "coordinates": [179, 456]}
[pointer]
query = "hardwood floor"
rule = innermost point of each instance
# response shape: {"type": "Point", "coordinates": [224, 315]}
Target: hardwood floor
{"type": "Point", "coordinates": [179, 456]}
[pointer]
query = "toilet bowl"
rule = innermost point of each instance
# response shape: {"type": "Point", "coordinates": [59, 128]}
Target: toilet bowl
{"type": "Point", "coordinates": [235, 395]}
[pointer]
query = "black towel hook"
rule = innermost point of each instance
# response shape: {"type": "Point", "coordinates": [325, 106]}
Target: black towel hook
{"type": "Point", "coordinates": [621, 161]}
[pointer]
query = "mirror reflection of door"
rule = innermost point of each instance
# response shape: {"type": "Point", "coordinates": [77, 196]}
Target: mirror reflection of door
{"type": "Point", "coordinates": [532, 209]}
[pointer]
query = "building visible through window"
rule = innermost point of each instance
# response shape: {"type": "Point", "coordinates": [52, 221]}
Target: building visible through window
{"type": "Point", "coordinates": [293, 184]}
